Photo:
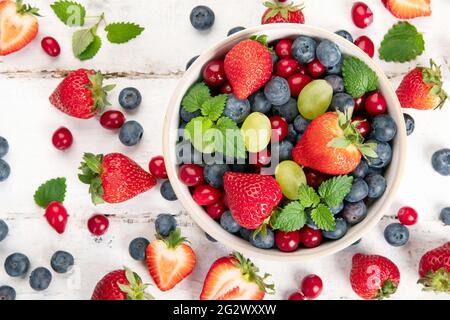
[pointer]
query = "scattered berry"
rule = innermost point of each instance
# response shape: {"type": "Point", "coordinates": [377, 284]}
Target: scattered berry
{"type": "Point", "coordinates": [62, 139]}
{"type": "Point", "coordinates": [4, 147]}
{"type": "Point", "coordinates": [165, 223]}
{"type": "Point", "coordinates": [440, 162]}
{"type": "Point", "coordinates": [366, 45]}
{"type": "Point", "coordinates": [235, 30]}
{"type": "Point", "coordinates": [396, 234]}
{"type": "Point", "coordinates": [50, 46]}
{"type": "Point", "coordinates": [157, 167]}
{"type": "Point", "coordinates": [98, 224]}
{"type": "Point", "coordinates": [202, 18]}
{"type": "Point", "coordinates": [17, 265]}
{"type": "Point", "coordinates": [409, 123]}
{"type": "Point", "coordinates": [130, 98]}
{"type": "Point", "coordinates": [56, 215]}
{"type": "Point", "coordinates": [297, 296]}
{"type": "Point", "coordinates": [434, 269]}
{"type": "Point", "coordinates": [407, 216]}
{"type": "Point", "coordinates": [362, 15]}
{"type": "Point", "coordinates": [282, 13]}
{"type": "Point", "coordinates": [167, 191]}
{"type": "Point", "coordinates": [40, 279]}
{"type": "Point", "coordinates": [312, 286]}
{"type": "Point", "coordinates": [62, 261]}
{"type": "Point", "coordinates": [138, 248]}
{"type": "Point", "coordinates": [131, 133]}
{"type": "Point", "coordinates": [3, 230]}
{"type": "Point", "coordinates": [191, 61]}
{"type": "Point", "coordinates": [112, 120]}
{"type": "Point", "coordinates": [445, 216]}
{"type": "Point", "coordinates": [7, 293]}
{"type": "Point", "coordinates": [345, 34]}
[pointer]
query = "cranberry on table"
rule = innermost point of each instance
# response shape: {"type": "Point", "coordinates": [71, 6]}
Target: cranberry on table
{"type": "Point", "coordinates": [297, 82]}
{"type": "Point", "coordinates": [214, 73]}
{"type": "Point", "coordinates": [51, 46]}
{"type": "Point", "coordinates": [226, 88]}
{"type": "Point", "coordinates": [283, 49]}
{"type": "Point", "coordinates": [375, 104]}
{"type": "Point", "coordinates": [280, 128]}
{"type": "Point", "coordinates": [297, 296]}
{"type": "Point", "coordinates": [366, 45]}
{"type": "Point", "coordinates": [314, 178]}
{"type": "Point", "coordinates": [312, 286]}
{"type": "Point", "coordinates": [407, 216]}
{"type": "Point", "coordinates": [56, 215]}
{"type": "Point", "coordinates": [359, 102]}
{"type": "Point", "coordinates": [62, 139]}
{"type": "Point", "coordinates": [260, 159]}
{"type": "Point", "coordinates": [362, 15]}
{"type": "Point", "coordinates": [287, 241]}
{"type": "Point", "coordinates": [98, 224]}
{"type": "Point", "coordinates": [216, 210]}
{"type": "Point", "coordinates": [157, 167]}
{"type": "Point", "coordinates": [191, 174]}
{"type": "Point", "coordinates": [286, 67]}
{"type": "Point", "coordinates": [205, 195]}
{"type": "Point", "coordinates": [315, 69]}
{"type": "Point", "coordinates": [363, 127]}
{"type": "Point", "coordinates": [310, 238]}
{"type": "Point", "coordinates": [112, 120]}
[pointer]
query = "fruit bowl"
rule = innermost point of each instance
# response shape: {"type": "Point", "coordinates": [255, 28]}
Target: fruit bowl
{"type": "Point", "coordinates": [274, 32]}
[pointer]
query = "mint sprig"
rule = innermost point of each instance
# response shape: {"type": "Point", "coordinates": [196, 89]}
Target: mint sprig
{"type": "Point", "coordinates": [195, 97]}
{"type": "Point", "coordinates": [52, 190]}
{"type": "Point", "coordinates": [358, 77]}
{"type": "Point", "coordinates": [334, 190]}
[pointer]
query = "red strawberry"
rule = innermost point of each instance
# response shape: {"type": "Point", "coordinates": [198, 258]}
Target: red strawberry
{"type": "Point", "coordinates": [81, 94]}
{"type": "Point", "coordinates": [434, 269]}
{"type": "Point", "coordinates": [422, 88]}
{"type": "Point", "coordinates": [332, 144]}
{"type": "Point", "coordinates": [251, 197]}
{"type": "Point", "coordinates": [170, 260]}
{"type": "Point", "coordinates": [281, 13]}
{"type": "Point", "coordinates": [114, 178]}
{"type": "Point", "coordinates": [408, 9]}
{"type": "Point", "coordinates": [235, 278]}
{"type": "Point", "coordinates": [248, 66]}
{"type": "Point", "coordinates": [121, 285]}
{"type": "Point", "coordinates": [18, 26]}
{"type": "Point", "coordinates": [373, 276]}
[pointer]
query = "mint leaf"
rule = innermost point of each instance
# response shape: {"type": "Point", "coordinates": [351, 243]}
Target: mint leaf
{"type": "Point", "coordinates": [358, 77]}
{"type": "Point", "coordinates": [213, 107]}
{"type": "Point", "coordinates": [291, 218]}
{"type": "Point", "coordinates": [81, 40]}
{"type": "Point", "coordinates": [232, 142]}
{"type": "Point", "coordinates": [69, 12]}
{"type": "Point", "coordinates": [323, 218]}
{"type": "Point", "coordinates": [402, 43]}
{"type": "Point", "coordinates": [307, 196]}
{"type": "Point", "coordinates": [334, 190]}
{"type": "Point", "coordinates": [196, 131]}
{"type": "Point", "coordinates": [91, 50]}
{"type": "Point", "coordinates": [121, 32]}
{"type": "Point", "coordinates": [196, 97]}
{"type": "Point", "coordinates": [52, 190]}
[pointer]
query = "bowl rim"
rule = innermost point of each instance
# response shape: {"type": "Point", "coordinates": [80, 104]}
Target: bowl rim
{"type": "Point", "coordinates": [211, 226]}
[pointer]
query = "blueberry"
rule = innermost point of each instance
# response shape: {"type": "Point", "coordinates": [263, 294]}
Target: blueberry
{"type": "Point", "coordinates": [228, 223]}
{"type": "Point", "coordinates": [4, 147]}
{"type": "Point", "coordinates": [409, 123]}
{"type": "Point", "coordinates": [440, 162]}
{"type": "Point", "coordinates": [377, 185]}
{"type": "Point", "coordinates": [191, 61]}
{"type": "Point", "coordinates": [337, 209]}
{"type": "Point", "coordinates": [328, 53]}
{"type": "Point", "coordinates": [17, 265]}
{"type": "Point", "coordinates": [202, 18]}
{"type": "Point", "coordinates": [7, 293]}
{"type": "Point", "coordinates": [292, 134]}
{"type": "Point", "coordinates": [300, 124]}
{"type": "Point", "coordinates": [283, 149]}
{"type": "Point", "coordinates": [342, 102]}
{"type": "Point", "coordinates": [309, 221]}
{"type": "Point", "coordinates": [5, 170]}
{"type": "Point", "coordinates": [384, 128]}
{"type": "Point", "coordinates": [445, 216]}
{"type": "Point", "coordinates": [237, 110]}
{"type": "Point", "coordinates": [165, 223]}
{"type": "Point", "coordinates": [362, 170]}
{"type": "Point", "coordinates": [354, 213]}
{"type": "Point", "coordinates": [338, 232]}
{"type": "Point", "coordinates": [3, 230]}
{"type": "Point", "coordinates": [235, 30]}
{"type": "Point", "coordinates": [396, 234]}
{"type": "Point", "coordinates": [246, 233]}
{"type": "Point", "coordinates": [304, 49]}
{"type": "Point", "coordinates": [359, 191]}
{"type": "Point", "coordinates": [345, 34]}
{"type": "Point", "coordinates": [130, 98]}
{"type": "Point", "coordinates": [187, 116]}
{"type": "Point", "coordinates": [62, 261]}
{"type": "Point", "coordinates": [357, 242]}
{"type": "Point", "coordinates": [214, 174]}
{"type": "Point", "coordinates": [263, 242]}
{"type": "Point", "coordinates": [259, 103]}
{"type": "Point", "coordinates": [274, 59]}
{"type": "Point", "coordinates": [337, 69]}
{"type": "Point", "coordinates": [167, 191]}
{"type": "Point", "coordinates": [207, 235]}
{"type": "Point", "coordinates": [40, 279]}
{"type": "Point", "coordinates": [336, 82]}
{"type": "Point", "coordinates": [240, 167]}
{"type": "Point", "coordinates": [288, 111]}
{"type": "Point", "coordinates": [131, 133]}
{"type": "Point", "coordinates": [137, 248]}
{"type": "Point", "coordinates": [277, 91]}
{"type": "Point", "coordinates": [376, 170]}
{"type": "Point", "coordinates": [384, 155]}
{"type": "Point", "coordinates": [186, 153]}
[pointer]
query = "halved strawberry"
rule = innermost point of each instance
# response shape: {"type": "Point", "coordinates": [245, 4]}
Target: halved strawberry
{"type": "Point", "coordinates": [170, 260]}
{"type": "Point", "coordinates": [235, 278]}
{"type": "Point", "coordinates": [18, 26]}
{"type": "Point", "coordinates": [408, 9]}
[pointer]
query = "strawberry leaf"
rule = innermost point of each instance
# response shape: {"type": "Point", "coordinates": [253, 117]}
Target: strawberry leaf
{"type": "Point", "coordinates": [91, 50]}
{"type": "Point", "coordinates": [69, 12]}
{"type": "Point", "coordinates": [52, 190]}
{"type": "Point", "coordinates": [121, 32]}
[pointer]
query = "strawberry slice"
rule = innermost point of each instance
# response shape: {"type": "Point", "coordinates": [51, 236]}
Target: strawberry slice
{"type": "Point", "coordinates": [235, 278]}
{"type": "Point", "coordinates": [18, 26]}
{"type": "Point", "coordinates": [408, 9]}
{"type": "Point", "coordinates": [170, 260]}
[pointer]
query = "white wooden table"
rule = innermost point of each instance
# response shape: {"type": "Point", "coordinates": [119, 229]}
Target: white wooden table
{"type": "Point", "coordinates": [154, 63]}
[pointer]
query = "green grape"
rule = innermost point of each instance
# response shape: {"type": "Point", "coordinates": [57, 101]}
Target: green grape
{"type": "Point", "coordinates": [315, 99]}
{"type": "Point", "coordinates": [256, 131]}
{"type": "Point", "coordinates": [290, 177]}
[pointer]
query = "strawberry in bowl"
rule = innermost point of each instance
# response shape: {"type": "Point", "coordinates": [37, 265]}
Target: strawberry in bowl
{"type": "Point", "coordinates": [296, 158]}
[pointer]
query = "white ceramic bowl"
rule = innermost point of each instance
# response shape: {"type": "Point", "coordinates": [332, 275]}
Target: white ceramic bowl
{"type": "Point", "coordinates": [276, 32]}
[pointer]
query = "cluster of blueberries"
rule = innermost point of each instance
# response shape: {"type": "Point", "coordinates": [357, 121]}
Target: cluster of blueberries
{"type": "Point", "coordinates": [5, 169]}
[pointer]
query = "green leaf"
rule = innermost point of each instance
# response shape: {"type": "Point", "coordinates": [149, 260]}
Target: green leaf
{"type": "Point", "coordinates": [340, 142]}
{"type": "Point", "coordinates": [52, 190]}
{"type": "Point", "coordinates": [323, 218]}
{"type": "Point", "coordinates": [334, 190]}
{"type": "Point", "coordinates": [121, 32]}
{"type": "Point", "coordinates": [291, 218]}
{"type": "Point", "coordinates": [81, 40]}
{"type": "Point", "coordinates": [232, 143]}
{"type": "Point", "coordinates": [196, 131]}
{"type": "Point", "coordinates": [307, 196]}
{"type": "Point", "coordinates": [91, 51]}
{"type": "Point", "coordinates": [358, 77]}
{"type": "Point", "coordinates": [196, 97]}
{"type": "Point", "coordinates": [213, 107]}
{"type": "Point", "coordinates": [69, 12]}
{"type": "Point", "coordinates": [402, 43]}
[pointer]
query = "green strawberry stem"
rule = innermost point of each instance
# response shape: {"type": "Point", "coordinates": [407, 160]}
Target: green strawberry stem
{"type": "Point", "coordinates": [388, 288]}
{"type": "Point", "coordinates": [433, 76]}
{"type": "Point", "coordinates": [174, 239]}
{"type": "Point", "coordinates": [283, 9]}
{"type": "Point", "coordinates": [135, 290]}
{"type": "Point", "coordinates": [22, 8]}
{"type": "Point", "coordinates": [91, 170]}
{"type": "Point", "coordinates": [98, 91]}
{"type": "Point", "coordinates": [250, 273]}
{"type": "Point", "coordinates": [438, 281]}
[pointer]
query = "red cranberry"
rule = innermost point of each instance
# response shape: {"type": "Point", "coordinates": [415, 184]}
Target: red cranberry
{"type": "Point", "coordinates": [62, 139]}
{"type": "Point", "coordinates": [297, 82]}
{"type": "Point", "coordinates": [363, 127]}
{"type": "Point", "coordinates": [112, 119]}
{"type": "Point", "coordinates": [375, 104]}
{"type": "Point", "coordinates": [312, 286]}
{"type": "Point", "coordinates": [283, 49]}
{"type": "Point", "coordinates": [191, 174]}
{"type": "Point", "coordinates": [287, 241]}
{"type": "Point", "coordinates": [56, 216]}
{"type": "Point", "coordinates": [407, 216]}
{"type": "Point", "coordinates": [362, 15]}
{"type": "Point", "coordinates": [98, 224]}
{"type": "Point", "coordinates": [315, 69]}
{"type": "Point", "coordinates": [280, 128]}
{"type": "Point", "coordinates": [314, 178]}
{"type": "Point", "coordinates": [204, 195]}
{"type": "Point", "coordinates": [310, 238]}
{"type": "Point", "coordinates": [216, 210]}
{"type": "Point", "coordinates": [359, 102]}
{"type": "Point", "coordinates": [214, 73]}
{"type": "Point", "coordinates": [51, 46]}
{"type": "Point", "coordinates": [157, 167]}
{"type": "Point", "coordinates": [260, 159]}
{"type": "Point", "coordinates": [366, 45]}
{"type": "Point", "coordinates": [286, 67]}
{"type": "Point", "coordinates": [226, 88]}
{"type": "Point", "coordinates": [297, 296]}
